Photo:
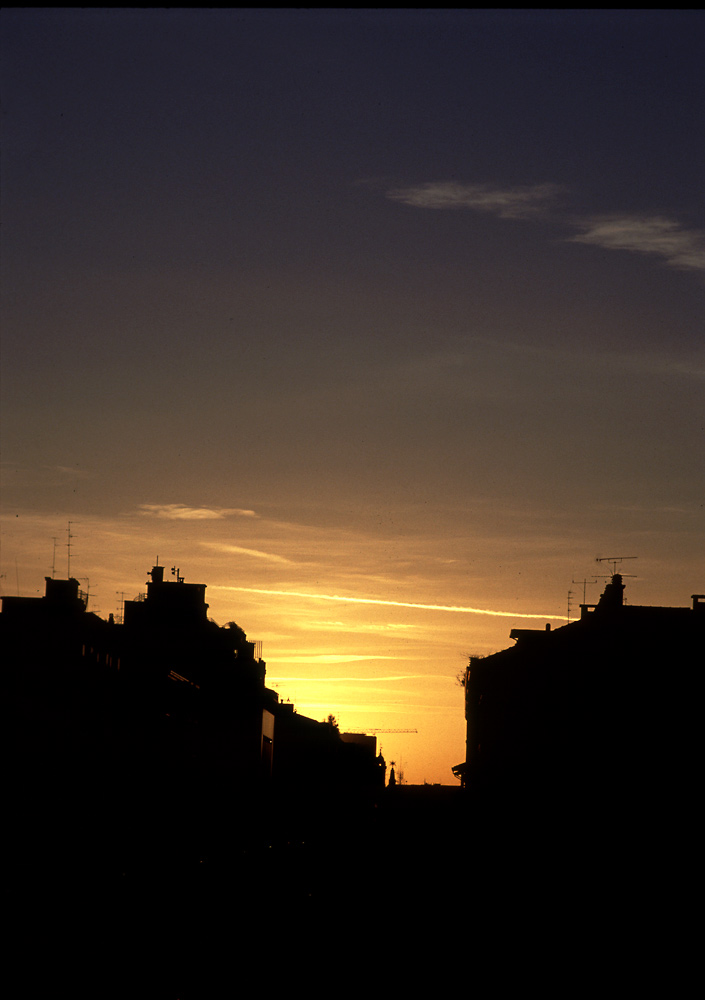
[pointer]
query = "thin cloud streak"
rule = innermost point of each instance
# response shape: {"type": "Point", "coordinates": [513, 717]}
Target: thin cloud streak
{"type": "Point", "coordinates": [507, 203]}
{"type": "Point", "coordinates": [645, 234]}
{"type": "Point", "coordinates": [353, 680]}
{"type": "Point", "coordinates": [332, 658]}
{"type": "Point", "coordinates": [392, 604]}
{"type": "Point", "coordinates": [239, 550]}
{"type": "Point", "coordinates": [665, 238]}
{"type": "Point", "coordinates": [181, 512]}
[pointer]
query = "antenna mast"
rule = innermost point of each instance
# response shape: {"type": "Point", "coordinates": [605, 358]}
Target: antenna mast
{"type": "Point", "coordinates": [69, 536]}
{"type": "Point", "coordinates": [584, 582]}
{"type": "Point", "coordinates": [614, 560]}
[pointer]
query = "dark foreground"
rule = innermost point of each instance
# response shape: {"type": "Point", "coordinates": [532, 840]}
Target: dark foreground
{"type": "Point", "coordinates": [186, 899]}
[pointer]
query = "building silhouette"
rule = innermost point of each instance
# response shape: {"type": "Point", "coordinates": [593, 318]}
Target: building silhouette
{"type": "Point", "coordinates": [595, 712]}
{"type": "Point", "coordinates": [159, 732]}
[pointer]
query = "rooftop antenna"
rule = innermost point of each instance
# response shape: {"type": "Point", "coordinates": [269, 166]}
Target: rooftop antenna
{"type": "Point", "coordinates": [584, 582]}
{"type": "Point", "coordinates": [614, 560]}
{"type": "Point", "coordinates": [53, 559]}
{"type": "Point", "coordinates": [69, 536]}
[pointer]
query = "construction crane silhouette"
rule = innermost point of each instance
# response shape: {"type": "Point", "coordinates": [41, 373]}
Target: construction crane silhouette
{"type": "Point", "coordinates": [368, 730]}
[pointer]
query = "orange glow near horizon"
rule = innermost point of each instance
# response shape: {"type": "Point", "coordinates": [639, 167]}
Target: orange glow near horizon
{"type": "Point", "coordinates": [383, 660]}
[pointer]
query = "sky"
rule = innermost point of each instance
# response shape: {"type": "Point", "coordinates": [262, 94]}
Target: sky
{"type": "Point", "coordinates": [383, 324]}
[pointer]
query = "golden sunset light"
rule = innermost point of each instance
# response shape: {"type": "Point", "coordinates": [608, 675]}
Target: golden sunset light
{"type": "Point", "coordinates": [384, 658]}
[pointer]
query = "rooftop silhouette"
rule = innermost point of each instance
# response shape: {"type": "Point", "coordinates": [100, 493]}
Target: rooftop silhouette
{"type": "Point", "coordinates": [579, 714]}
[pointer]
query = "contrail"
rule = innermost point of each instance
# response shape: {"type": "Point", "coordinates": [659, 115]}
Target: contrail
{"type": "Point", "coordinates": [392, 604]}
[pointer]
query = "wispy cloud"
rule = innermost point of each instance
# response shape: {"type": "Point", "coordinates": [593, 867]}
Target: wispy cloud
{"type": "Point", "coordinates": [393, 604]}
{"type": "Point", "coordinates": [72, 472]}
{"type": "Point", "coordinates": [181, 512]}
{"type": "Point", "coordinates": [239, 550]}
{"type": "Point", "coordinates": [359, 680]}
{"type": "Point", "coordinates": [679, 247]}
{"type": "Point", "coordinates": [662, 237]}
{"type": "Point", "coordinates": [330, 658]}
{"type": "Point", "coordinates": [388, 628]}
{"type": "Point", "coordinates": [506, 202]}
{"type": "Point", "coordinates": [41, 475]}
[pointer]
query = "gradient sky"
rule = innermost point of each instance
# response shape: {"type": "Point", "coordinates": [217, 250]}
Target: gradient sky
{"type": "Point", "coordinates": [401, 308]}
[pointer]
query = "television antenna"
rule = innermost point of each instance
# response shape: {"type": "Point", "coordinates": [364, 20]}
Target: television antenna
{"type": "Point", "coordinates": [69, 536]}
{"type": "Point", "coordinates": [614, 560]}
{"type": "Point", "coordinates": [87, 592]}
{"type": "Point", "coordinates": [584, 582]}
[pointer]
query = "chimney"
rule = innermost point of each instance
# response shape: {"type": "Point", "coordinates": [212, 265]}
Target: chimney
{"type": "Point", "coordinates": [613, 596]}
